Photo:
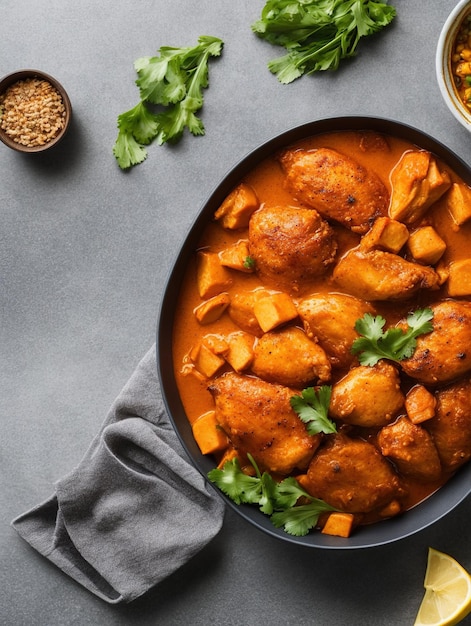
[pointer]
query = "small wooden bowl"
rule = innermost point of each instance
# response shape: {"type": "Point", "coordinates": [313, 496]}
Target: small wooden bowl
{"type": "Point", "coordinates": [22, 75]}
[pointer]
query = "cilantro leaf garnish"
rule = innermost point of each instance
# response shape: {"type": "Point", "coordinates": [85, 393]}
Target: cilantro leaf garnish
{"type": "Point", "coordinates": [173, 81]}
{"type": "Point", "coordinates": [395, 344]}
{"type": "Point", "coordinates": [318, 34]}
{"type": "Point", "coordinates": [275, 499]}
{"type": "Point", "coordinates": [312, 407]}
{"type": "Point", "coordinates": [242, 488]}
{"type": "Point", "coordinates": [249, 263]}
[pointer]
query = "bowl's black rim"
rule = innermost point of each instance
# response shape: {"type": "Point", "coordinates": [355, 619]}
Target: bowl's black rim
{"type": "Point", "coordinates": [425, 514]}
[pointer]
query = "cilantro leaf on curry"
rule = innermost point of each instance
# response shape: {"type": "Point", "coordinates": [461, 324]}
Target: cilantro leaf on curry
{"type": "Point", "coordinates": [278, 500]}
{"type": "Point", "coordinates": [395, 344]}
{"type": "Point", "coordinates": [312, 407]}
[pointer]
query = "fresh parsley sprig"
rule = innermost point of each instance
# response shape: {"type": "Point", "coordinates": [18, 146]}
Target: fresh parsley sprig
{"type": "Point", "coordinates": [318, 34]}
{"type": "Point", "coordinates": [173, 80]}
{"type": "Point", "coordinates": [312, 408]}
{"type": "Point", "coordinates": [278, 500]}
{"type": "Point", "coordinates": [395, 344]}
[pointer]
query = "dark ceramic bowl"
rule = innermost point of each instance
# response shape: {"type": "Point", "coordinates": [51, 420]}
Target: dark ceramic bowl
{"type": "Point", "coordinates": [414, 520]}
{"type": "Point", "coordinates": [22, 75]}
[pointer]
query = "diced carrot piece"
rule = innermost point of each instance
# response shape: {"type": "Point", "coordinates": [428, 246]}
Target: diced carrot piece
{"type": "Point", "coordinates": [420, 404]}
{"type": "Point", "coordinates": [386, 234]}
{"type": "Point", "coordinates": [426, 245]}
{"type": "Point", "coordinates": [339, 524]}
{"type": "Point", "coordinates": [459, 278]}
{"type": "Point", "coordinates": [237, 208]}
{"type": "Point", "coordinates": [212, 277]}
{"type": "Point", "coordinates": [274, 310]}
{"type": "Point", "coordinates": [240, 354]}
{"type": "Point", "coordinates": [208, 435]}
{"type": "Point", "coordinates": [237, 257]}
{"type": "Point", "coordinates": [205, 361]}
{"type": "Point", "coordinates": [212, 309]}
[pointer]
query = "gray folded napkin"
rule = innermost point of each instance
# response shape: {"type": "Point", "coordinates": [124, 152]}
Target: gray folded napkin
{"type": "Point", "coordinates": [134, 510]}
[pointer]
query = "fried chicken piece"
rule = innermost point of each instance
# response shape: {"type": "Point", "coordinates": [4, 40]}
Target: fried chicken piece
{"type": "Point", "coordinates": [351, 475]}
{"type": "Point", "coordinates": [416, 184]}
{"type": "Point", "coordinates": [451, 426]}
{"type": "Point", "coordinates": [377, 275]}
{"type": "Point", "coordinates": [367, 396]}
{"type": "Point", "coordinates": [445, 353]}
{"type": "Point", "coordinates": [290, 246]}
{"type": "Point", "coordinates": [330, 318]}
{"type": "Point", "coordinates": [290, 358]}
{"type": "Point", "coordinates": [412, 450]}
{"type": "Point", "coordinates": [258, 419]}
{"type": "Point", "coordinates": [337, 186]}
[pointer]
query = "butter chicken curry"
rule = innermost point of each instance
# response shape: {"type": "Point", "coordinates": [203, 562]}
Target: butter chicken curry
{"type": "Point", "coordinates": [332, 229]}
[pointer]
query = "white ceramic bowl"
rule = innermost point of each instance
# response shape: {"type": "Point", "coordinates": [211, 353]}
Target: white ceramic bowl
{"type": "Point", "coordinates": [443, 62]}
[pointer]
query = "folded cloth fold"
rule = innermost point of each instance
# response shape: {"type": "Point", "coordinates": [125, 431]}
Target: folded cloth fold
{"type": "Point", "coordinates": [134, 510]}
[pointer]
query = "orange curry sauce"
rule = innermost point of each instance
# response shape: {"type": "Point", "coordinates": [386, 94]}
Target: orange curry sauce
{"type": "Point", "coordinates": [375, 152]}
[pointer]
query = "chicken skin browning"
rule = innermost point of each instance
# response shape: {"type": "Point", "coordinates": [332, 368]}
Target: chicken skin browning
{"type": "Point", "coordinates": [330, 318]}
{"type": "Point", "coordinates": [258, 419]}
{"type": "Point", "coordinates": [412, 450]}
{"type": "Point", "coordinates": [367, 396]}
{"type": "Point", "coordinates": [338, 187]}
{"type": "Point", "coordinates": [445, 353]}
{"type": "Point", "coordinates": [376, 275]}
{"type": "Point", "coordinates": [451, 426]}
{"type": "Point", "coordinates": [351, 475]}
{"type": "Point", "coordinates": [290, 246]}
{"type": "Point", "coordinates": [289, 358]}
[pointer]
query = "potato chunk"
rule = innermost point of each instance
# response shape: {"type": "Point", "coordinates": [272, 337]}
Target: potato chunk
{"type": "Point", "coordinates": [426, 245]}
{"type": "Point", "coordinates": [208, 434]}
{"type": "Point", "coordinates": [274, 310]}
{"type": "Point", "coordinates": [235, 211]}
{"type": "Point", "coordinates": [459, 203]}
{"type": "Point", "coordinates": [385, 234]}
{"type": "Point", "coordinates": [241, 310]}
{"type": "Point", "coordinates": [212, 309]}
{"type": "Point", "coordinates": [241, 352]}
{"type": "Point", "coordinates": [459, 278]}
{"type": "Point", "coordinates": [205, 360]}
{"type": "Point", "coordinates": [339, 524]}
{"type": "Point", "coordinates": [212, 277]}
{"type": "Point", "coordinates": [237, 257]}
{"type": "Point", "coordinates": [416, 184]}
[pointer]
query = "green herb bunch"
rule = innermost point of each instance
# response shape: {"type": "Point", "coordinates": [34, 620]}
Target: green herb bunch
{"type": "Point", "coordinates": [174, 81]}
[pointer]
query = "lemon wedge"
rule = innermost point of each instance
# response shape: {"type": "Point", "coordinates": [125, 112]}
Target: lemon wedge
{"type": "Point", "coordinates": [447, 598]}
